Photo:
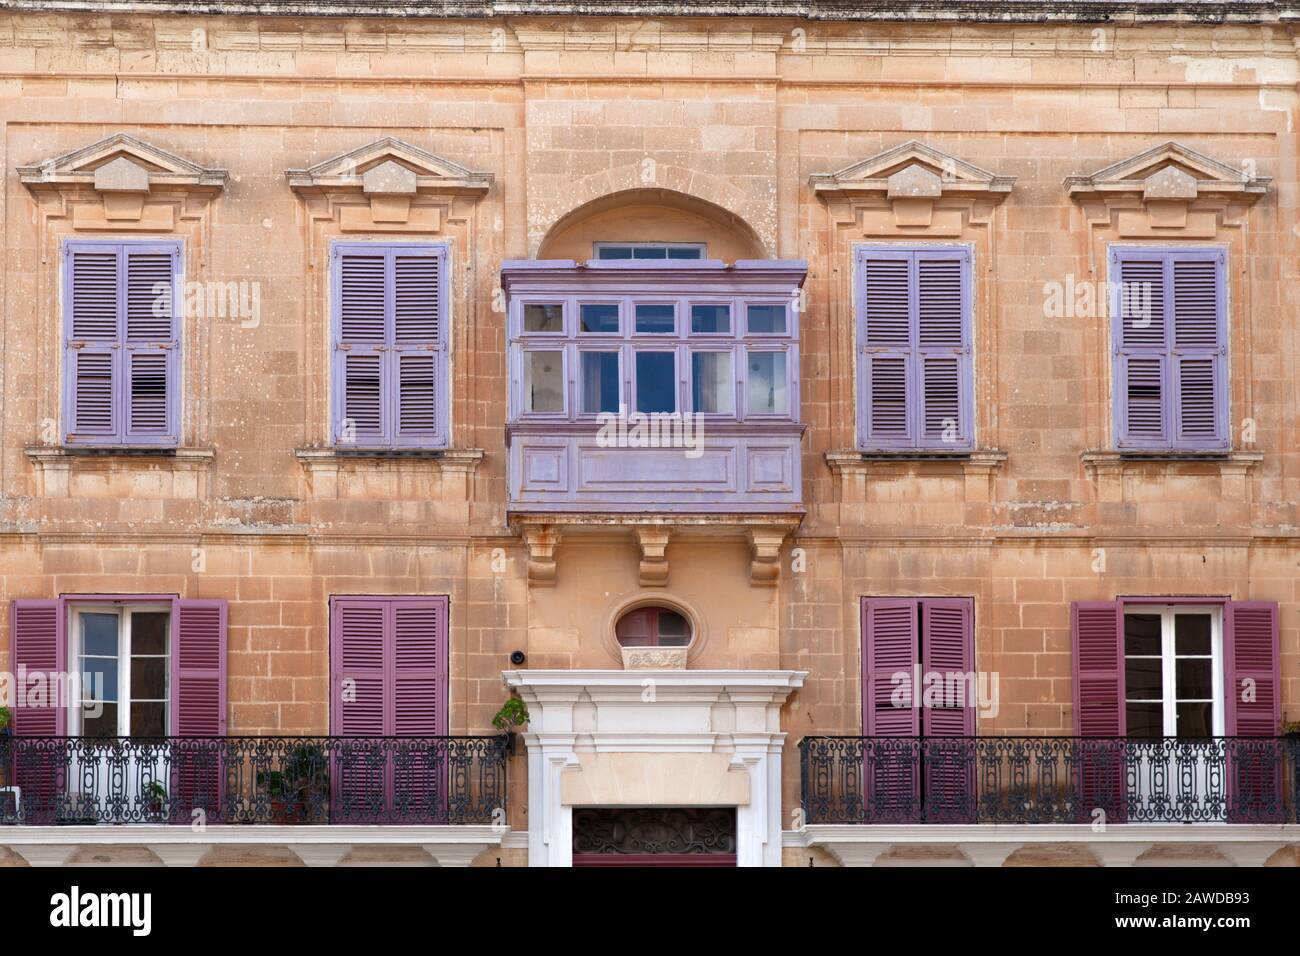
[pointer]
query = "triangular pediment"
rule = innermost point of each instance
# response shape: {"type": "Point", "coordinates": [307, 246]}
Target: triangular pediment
{"type": "Point", "coordinates": [1169, 171]}
{"type": "Point", "coordinates": [911, 169]}
{"type": "Point", "coordinates": [121, 163]}
{"type": "Point", "coordinates": [388, 166]}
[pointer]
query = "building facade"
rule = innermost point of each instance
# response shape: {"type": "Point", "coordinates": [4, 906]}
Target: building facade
{"type": "Point", "coordinates": [855, 438]}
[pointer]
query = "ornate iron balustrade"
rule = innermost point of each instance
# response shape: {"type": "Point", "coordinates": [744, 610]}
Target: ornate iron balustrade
{"type": "Point", "coordinates": [253, 780]}
{"type": "Point", "coordinates": [893, 780]}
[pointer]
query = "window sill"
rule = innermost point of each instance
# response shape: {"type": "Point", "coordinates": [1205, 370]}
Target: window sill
{"type": "Point", "coordinates": [389, 473]}
{"type": "Point", "coordinates": [122, 472]}
{"type": "Point", "coordinates": [980, 460]}
{"type": "Point", "coordinates": [1228, 462]}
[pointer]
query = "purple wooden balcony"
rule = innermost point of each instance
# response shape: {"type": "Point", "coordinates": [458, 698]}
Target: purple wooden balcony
{"type": "Point", "coordinates": [654, 385]}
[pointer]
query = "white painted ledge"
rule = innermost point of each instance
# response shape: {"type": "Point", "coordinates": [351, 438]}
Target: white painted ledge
{"type": "Point", "coordinates": [314, 845]}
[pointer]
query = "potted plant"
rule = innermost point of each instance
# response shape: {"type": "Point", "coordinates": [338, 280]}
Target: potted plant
{"type": "Point", "coordinates": [6, 730]}
{"type": "Point", "coordinates": [513, 714]}
{"type": "Point", "coordinates": [6, 721]}
{"type": "Point", "coordinates": [155, 796]}
{"type": "Point", "coordinates": [303, 775]}
{"type": "Point", "coordinates": [1291, 728]}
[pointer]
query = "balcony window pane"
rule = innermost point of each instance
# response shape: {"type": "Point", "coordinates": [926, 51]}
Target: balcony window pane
{"type": "Point", "coordinates": [766, 319]}
{"type": "Point", "coordinates": [149, 719]}
{"type": "Point", "coordinates": [767, 384]}
{"type": "Point", "coordinates": [544, 381]}
{"type": "Point", "coordinates": [1191, 634]}
{"type": "Point", "coordinates": [656, 382]}
{"type": "Point", "coordinates": [543, 317]}
{"type": "Point", "coordinates": [103, 724]}
{"type": "Point", "coordinates": [599, 317]}
{"type": "Point", "coordinates": [1142, 678]}
{"type": "Point", "coordinates": [99, 635]}
{"type": "Point", "coordinates": [712, 384]}
{"type": "Point", "coordinates": [149, 632]}
{"type": "Point", "coordinates": [655, 319]}
{"type": "Point", "coordinates": [1192, 678]}
{"type": "Point", "coordinates": [1142, 634]}
{"type": "Point", "coordinates": [600, 384]}
{"type": "Point", "coordinates": [1195, 719]}
{"type": "Point", "coordinates": [711, 319]}
{"type": "Point", "coordinates": [148, 678]}
{"type": "Point", "coordinates": [1146, 720]}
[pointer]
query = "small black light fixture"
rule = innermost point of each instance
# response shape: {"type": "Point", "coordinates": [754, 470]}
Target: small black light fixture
{"type": "Point", "coordinates": [518, 658]}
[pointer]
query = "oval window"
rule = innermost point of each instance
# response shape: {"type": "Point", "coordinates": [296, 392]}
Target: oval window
{"type": "Point", "coordinates": [653, 627]}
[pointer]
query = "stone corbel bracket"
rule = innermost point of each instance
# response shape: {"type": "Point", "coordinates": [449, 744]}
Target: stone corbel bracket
{"type": "Point", "coordinates": [765, 534]}
{"type": "Point", "coordinates": [913, 189]}
{"type": "Point", "coordinates": [1168, 191]}
{"type": "Point", "coordinates": [387, 186]}
{"type": "Point", "coordinates": [122, 183]}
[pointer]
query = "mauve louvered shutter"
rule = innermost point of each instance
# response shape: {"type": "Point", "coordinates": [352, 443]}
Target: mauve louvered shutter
{"type": "Point", "coordinates": [948, 647]}
{"type": "Point", "coordinates": [419, 654]}
{"type": "Point", "coordinates": [92, 365]}
{"type": "Point", "coordinates": [1253, 702]}
{"type": "Point", "coordinates": [1140, 307]}
{"type": "Point", "coordinates": [892, 784]}
{"type": "Point", "coordinates": [1198, 366]}
{"type": "Point", "coordinates": [39, 771]}
{"type": "Point", "coordinates": [38, 648]}
{"type": "Point", "coordinates": [419, 356]}
{"type": "Point", "coordinates": [1097, 636]}
{"type": "Point", "coordinates": [943, 357]}
{"type": "Point", "coordinates": [198, 705]}
{"type": "Point", "coordinates": [360, 705]}
{"type": "Point", "coordinates": [361, 317]}
{"type": "Point", "coordinates": [149, 345]}
{"type": "Point", "coordinates": [885, 350]}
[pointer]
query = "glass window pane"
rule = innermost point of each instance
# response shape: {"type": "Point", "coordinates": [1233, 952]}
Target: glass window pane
{"type": "Point", "coordinates": [598, 317]}
{"type": "Point", "coordinates": [654, 319]}
{"type": "Point", "coordinates": [99, 678]}
{"type": "Point", "coordinates": [650, 252]}
{"type": "Point", "coordinates": [712, 384]}
{"type": "Point", "coordinates": [614, 252]}
{"type": "Point", "coordinates": [103, 725]}
{"type": "Point", "coordinates": [1145, 720]}
{"type": "Point", "coordinates": [765, 319]}
{"type": "Point", "coordinates": [674, 631]}
{"type": "Point", "coordinates": [600, 385]}
{"type": "Point", "coordinates": [708, 319]}
{"type": "Point", "coordinates": [1191, 634]}
{"type": "Point", "coordinates": [99, 634]}
{"type": "Point", "coordinates": [149, 632]}
{"type": "Point", "coordinates": [656, 382]}
{"type": "Point", "coordinates": [149, 720]}
{"type": "Point", "coordinates": [1192, 678]}
{"type": "Point", "coordinates": [767, 384]}
{"type": "Point", "coordinates": [148, 678]}
{"type": "Point", "coordinates": [686, 253]}
{"type": "Point", "coordinates": [1195, 719]}
{"type": "Point", "coordinates": [544, 381]}
{"type": "Point", "coordinates": [543, 317]}
{"type": "Point", "coordinates": [1143, 679]}
{"type": "Point", "coordinates": [1142, 634]}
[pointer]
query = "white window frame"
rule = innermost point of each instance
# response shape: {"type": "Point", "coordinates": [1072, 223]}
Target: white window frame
{"type": "Point", "coordinates": [1168, 663]}
{"type": "Point", "coordinates": [125, 614]}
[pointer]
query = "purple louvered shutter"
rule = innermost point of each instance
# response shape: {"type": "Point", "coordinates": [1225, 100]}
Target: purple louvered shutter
{"type": "Point", "coordinates": [38, 648]}
{"type": "Point", "coordinates": [1097, 636]}
{"type": "Point", "coordinates": [1198, 361]}
{"type": "Point", "coordinates": [1253, 701]}
{"type": "Point", "coordinates": [361, 314]}
{"type": "Point", "coordinates": [1170, 367]}
{"type": "Point", "coordinates": [890, 767]}
{"type": "Point", "coordinates": [914, 350]}
{"type": "Point", "coordinates": [149, 347]}
{"type": "Point", "coordinates": [390, 344]}
{"type": "Point", "coordinates": [419, 650]}
{"type": "Point", "coordinates": [198, 705]}
{"type": "Point", "coordinates": [122, 343]}
{"type": "Point", "coordinates": [359, 707]}
{"type": "Point", "coordinates": [91, 293]}
{"type": "Point", "coordinates": [942, 350]}
{"type": "Point", "coordinates": [40, 769]}
{"type": "Point", "coordinates": [948, 648]}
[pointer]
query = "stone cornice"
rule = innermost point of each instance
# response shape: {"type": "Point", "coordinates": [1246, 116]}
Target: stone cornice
{"type": "Point", "coordinates": [914, 11]}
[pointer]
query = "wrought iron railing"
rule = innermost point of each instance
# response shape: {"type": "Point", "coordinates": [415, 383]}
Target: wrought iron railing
{"type": "Point", "coordinates": [253, 780]}
{"type": "Point", "coordinates": [891, 780]}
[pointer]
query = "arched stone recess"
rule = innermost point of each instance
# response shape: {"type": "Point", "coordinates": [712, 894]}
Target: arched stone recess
{"type": "Point", "coordinates": [913, 194]}
{"type": "Point", "coordinates": [713, 198]}
{"type": "Point", "coordinates": [393, 191]}
{"type": "Point", "coordinates": [1169, 195]}
{"type": "Point", "coordinates": [121, 188]}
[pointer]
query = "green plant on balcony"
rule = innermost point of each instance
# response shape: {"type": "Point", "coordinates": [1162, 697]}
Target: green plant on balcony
{"type": "Point", "coordinates": [155, 795]}
{"type": "Point", "coordinates": [6, 721]}
{"type": "Point", "coordinates": [1291, 728]}
{"type": "Point", "coordinates": [299, 791]}
{"type": "Point", "coordinates": [512, 715]}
